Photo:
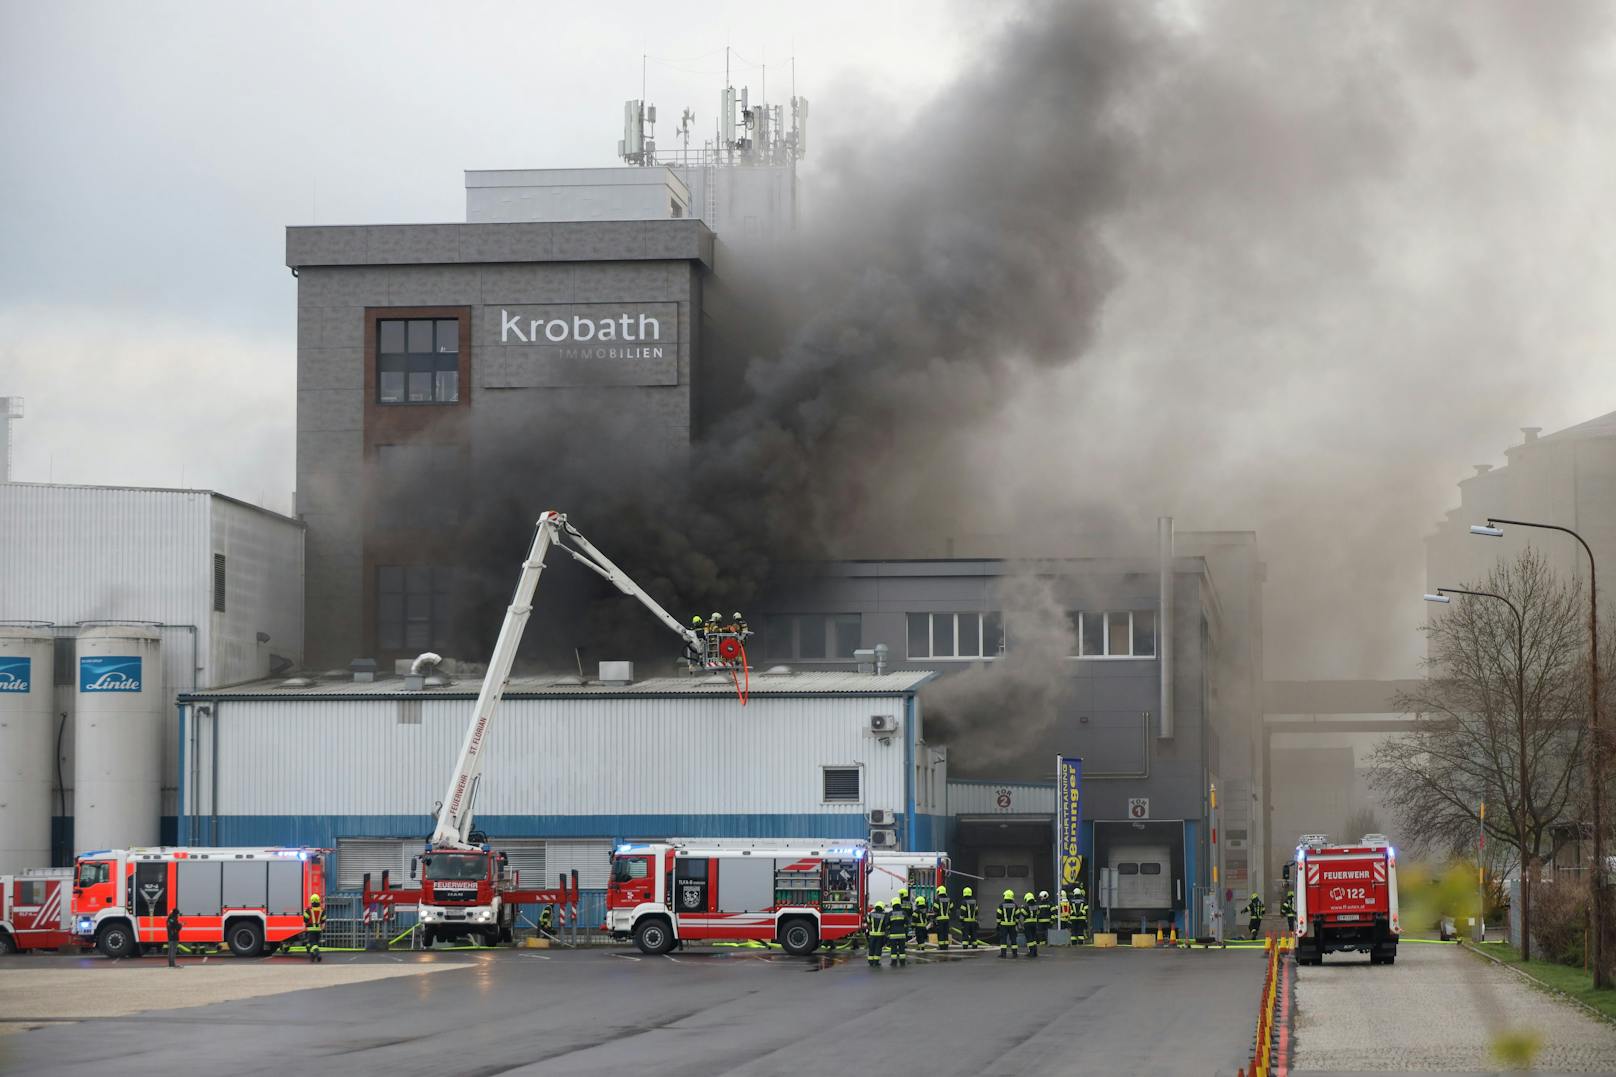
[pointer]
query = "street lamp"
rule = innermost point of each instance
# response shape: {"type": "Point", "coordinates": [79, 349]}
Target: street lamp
{"type": "Point", "coordinates": [1441, 596]}
{"type": "Point", "coordinates": [1596, 760]}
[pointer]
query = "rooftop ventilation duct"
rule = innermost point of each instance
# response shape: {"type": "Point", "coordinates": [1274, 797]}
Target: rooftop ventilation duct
{"type": "Point", "coordinates": [363, 670]}
{"type": "Point", "coordinates": [616, 674]}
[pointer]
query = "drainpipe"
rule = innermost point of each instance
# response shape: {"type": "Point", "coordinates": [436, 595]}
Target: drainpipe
{"type": "Point", "coordinates": [909, 772]}
{"type": "Point", "coordinates": [179, 812]}
{"type": "Point", "coordinates": [213, 796]}
{"type": "Point", "coordinates": [1164, 624]}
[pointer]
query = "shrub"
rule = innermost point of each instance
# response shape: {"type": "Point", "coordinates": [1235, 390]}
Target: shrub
{"type": "Point", "coordinates": [1560, 920]}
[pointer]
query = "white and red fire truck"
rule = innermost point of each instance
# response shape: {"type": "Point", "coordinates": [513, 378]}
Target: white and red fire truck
{"type": "Point", "coordinates": [36, 910]}
{"type": "Point", "coordinates": [1346, 899]}
{"type": "Point", "coordinates": [251, 899]}
{"type": "Point", "coordinates": [797, 895]}
{"type": "Point", "coordinates": [465, 889]}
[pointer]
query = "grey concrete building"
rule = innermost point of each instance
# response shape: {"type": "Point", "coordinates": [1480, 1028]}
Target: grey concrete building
{"type": "Point", "coordinates": [427, 353]}
{"type": "Point", "coordinates": [1149, 766]}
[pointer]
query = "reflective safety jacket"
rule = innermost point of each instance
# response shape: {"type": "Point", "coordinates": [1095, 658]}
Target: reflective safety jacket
{"type": "Point", "coordinates": [1081, 912]}
{"type": "Point", "coordinates": [1009, 914]}
{"type": "Point", "coordinates": [1065, 908]}
{"type": "Point", "coordinates": [875, 924]}
{"type": "Point", "coordinates": [1021, 914]}
{"type": "Point", "coordinates": [314, 919]}
{"type": "Point", "coordinates": [1288, 907]}
{"type": "Point", "coordinates": [1255, 906]}
{"type": "Point", "coordinates": [945, 907]}
{"type": "Point", "coordinates": [1044, 912]}
{"type": "Point", "coordinates": [545, 917]}
{"type": "Point", "coordinates": [898, 920]}
{"type": "Point", "coordinates": [969, 910]}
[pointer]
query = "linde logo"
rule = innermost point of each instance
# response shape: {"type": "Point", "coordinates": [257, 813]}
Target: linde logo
{"type": "Point", "coordinates": [109, 673]}
{"type": "Point", "coordinates": [15, 674]}
{"type": "Point", "coordinates": [625, 336]}
{"type": "Point", "coordinates": [1346, 875]}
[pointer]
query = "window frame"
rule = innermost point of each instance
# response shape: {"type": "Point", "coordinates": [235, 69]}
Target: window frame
{"type": "Point", "coordinates": [792, 624]}
{"type": "Point", "coordinates": [439, 595]}
{"type": "Point", "coordinates": [985, 651]}
{"type": "Point", "coordinates": [433, 365]}
{"type": "Point", "coordinates": [1083, 624]}
{"type": "Point", "coordinates": [857, 770]}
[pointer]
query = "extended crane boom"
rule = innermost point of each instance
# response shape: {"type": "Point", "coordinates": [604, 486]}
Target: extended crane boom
{"type": "Point", "coordinates": [455, 814]}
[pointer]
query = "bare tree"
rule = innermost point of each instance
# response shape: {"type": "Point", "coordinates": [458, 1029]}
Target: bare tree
{"type": "Point", "coordinates": [1472, 733]}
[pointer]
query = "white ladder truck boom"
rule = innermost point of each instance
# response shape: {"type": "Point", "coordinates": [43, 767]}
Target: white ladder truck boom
{"type": "Point", "coordinates": [465, 888]}
{"type": "Point", "coordinates": [454, 816]}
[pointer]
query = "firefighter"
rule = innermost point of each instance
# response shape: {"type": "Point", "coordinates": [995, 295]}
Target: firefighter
{"type": "Point", "coordinates": [902, 901]}
{"type": "Point", "coordinates": [1046, 916]}
{"type": "Point", "coordinates": [944, 918]}
{"type": "Point", "coordinates": [1006, 916]}
{"type": "Point", "coordinates": [970, 915]}
{"type": "Point", "coordinates": [1064, 908]}
{"type": "Point", "coordinates": [922, 922]}
{"type": "Point", "coordinates": [740, 623]}
{"type": "Point", "coordinates": [898, 930]}
{"type": "Point", "coordinates": [1080, 916]}
{"type": "Point", "coordinates": [1287, 909]}
{"type": "Point", "coordinates": [546, 918]}
{"type": "Point", "coordinates": [875, 933]}
{"type": "Point", "coordinates": [1029, 923]}
{"type": "Point", "coordinates": [698, 626]}
{"type": "Point", "coordinates": [313, 924]}
{"type": "Point", "coordinates": [1254, 909]}
{"type": "Point", "coordinates": [173, 925]}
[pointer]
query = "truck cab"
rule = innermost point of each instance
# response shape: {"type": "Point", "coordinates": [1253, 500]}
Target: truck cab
{"type": "Point", "coordinates": [462, 895]}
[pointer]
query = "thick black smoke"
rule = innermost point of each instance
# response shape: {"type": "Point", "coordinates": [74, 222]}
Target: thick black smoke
{"type": "Point", "coordinates": [942, 262]}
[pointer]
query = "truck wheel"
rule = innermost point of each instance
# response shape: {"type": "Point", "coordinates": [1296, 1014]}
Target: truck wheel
{"type": "Point", "coordinates": [799, 937]}
{"type": "Point", "coordinates": [116, 940]}
{"type": "Point", "coordinates": [8, 945]}
{"type": "Point", "coordinates": [653, 936]}
{"type": "Point", "coordinates": [246, 938]}
{"type": "Point", "coordinates": [428, 937]}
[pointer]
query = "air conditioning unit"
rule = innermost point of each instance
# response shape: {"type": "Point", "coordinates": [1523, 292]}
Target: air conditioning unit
{"type": "Point", "coordinates": [883, 723]}
{"type": "Point", "coordinates": [882, 817]}
{"type": "Point", "coordinates": [883, 839]}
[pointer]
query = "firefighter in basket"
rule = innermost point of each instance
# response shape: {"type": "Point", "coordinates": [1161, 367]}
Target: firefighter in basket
{"type": "Point", "coordinates": [1254, 909]}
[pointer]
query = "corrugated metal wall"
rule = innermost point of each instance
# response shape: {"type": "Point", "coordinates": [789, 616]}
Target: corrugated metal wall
{"type": "Point", "coordinates": [263, 593]}
{"type": "Point", "coordinates": [967, 797]}
{"type": "Point", "coordinates": [598, 757]}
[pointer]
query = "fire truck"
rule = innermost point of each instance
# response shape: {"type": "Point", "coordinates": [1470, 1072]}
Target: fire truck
{"type": "Point", "coordinates": [36, 910]}
{"type": "Point", "coordinates": [1346, 899]}
{"type": "Point", "coordinates": [249, 899]}
{"type": "Point", "coordinates": [920, 873]}
{"type": "Point", "coordinates": [465, 888]}
{"type": "Point", "coordinates": [801, 895]}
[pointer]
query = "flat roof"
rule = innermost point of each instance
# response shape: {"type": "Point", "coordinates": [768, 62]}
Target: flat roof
{"type": "Point", "coordinates": [88, 486]}
{"type": "Point", "coordinates": [341, 686]}
{"type": "Point", "coordinates": [686, 239]}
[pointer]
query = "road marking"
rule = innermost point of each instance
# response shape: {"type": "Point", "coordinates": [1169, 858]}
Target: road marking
{"type": "Point", "coordinates": [626, 957]}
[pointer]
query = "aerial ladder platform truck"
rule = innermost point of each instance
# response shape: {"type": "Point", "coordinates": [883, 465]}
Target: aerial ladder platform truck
{"type": "Point", "coordinates": [466, 889]}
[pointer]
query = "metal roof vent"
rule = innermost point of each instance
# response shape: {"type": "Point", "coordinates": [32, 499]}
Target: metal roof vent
{"type": "Point", "coordinates": [416, 679]}
{"type": "Point", "coordinates": [363, 670]}
{"type": "Point", "coordinates": [616, 674]}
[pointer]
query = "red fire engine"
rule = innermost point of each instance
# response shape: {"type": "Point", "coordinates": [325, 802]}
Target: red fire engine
{"type": "Point", "coordinates": [1347, 899]}
{"type": "Point", "coordinates": [662, 893]}
{"type": "Point", "coordinates": [36, 910]}
{"type": "Point", "coordinates": [251, 899]}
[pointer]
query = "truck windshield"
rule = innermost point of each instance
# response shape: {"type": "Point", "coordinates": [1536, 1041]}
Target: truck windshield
{"type": "Point", "coordinates": [445, 867]}
{"type": "Point", "coordinates": [93, 872]}
{"type": "Point", "coordinates": [626, 869]}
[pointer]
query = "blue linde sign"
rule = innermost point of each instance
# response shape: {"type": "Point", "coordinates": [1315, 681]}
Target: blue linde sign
{"type": "Point", "coordinates": [15, 674]}
{"type": "Point", "coordinates": [109, 673]}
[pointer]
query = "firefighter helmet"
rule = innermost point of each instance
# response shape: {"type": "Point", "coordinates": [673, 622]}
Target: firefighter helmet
{"type": "Point", "coordinates": [942, 891]}
{"type": "Point", "coordinates": [966, 892]}
{"type": "Point", "coordinates": [920, 899]}
{"type": "Point", "coordinates": [314, 899]}
{"type": "Point", "coordinates": [696, 620]}
{"type": "Point", "coordinates": [881, 905]}
{"type": "Point", "coordinates": [1043, 893]}
{"type": "Point", "coordinates": [737, 616]}
{"type": "Point", "coordinates": [716, 617]}
{"type": "Point", "coordinates": [903, 891]}
{"type": "Point", "coordinates": [1028, 897]}
{"type": "Point", "coordinates": [1009, 895]}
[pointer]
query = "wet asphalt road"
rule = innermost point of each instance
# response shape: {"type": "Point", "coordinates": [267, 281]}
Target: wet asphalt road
{"type": "Point", "coordinates": [701, 1013]}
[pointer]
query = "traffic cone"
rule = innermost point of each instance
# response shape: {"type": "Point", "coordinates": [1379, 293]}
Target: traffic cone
{"type": "Point", "coordinates": [1158, 934]}
{"type": "Point", "coordinates": [1173, 935]}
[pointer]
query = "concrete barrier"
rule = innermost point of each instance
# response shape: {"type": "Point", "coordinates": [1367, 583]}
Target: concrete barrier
{"type": "Point", "coordinates": [1104, 939]}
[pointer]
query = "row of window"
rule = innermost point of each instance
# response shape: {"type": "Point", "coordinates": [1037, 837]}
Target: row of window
{"type": "Point", "coordinates": [413, 611]}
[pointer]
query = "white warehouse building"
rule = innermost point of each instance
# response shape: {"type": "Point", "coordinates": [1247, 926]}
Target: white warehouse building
{"type": "Point", "coordinates": [571, 768]}
{"type": "Point", "coordinates": [113, 600]}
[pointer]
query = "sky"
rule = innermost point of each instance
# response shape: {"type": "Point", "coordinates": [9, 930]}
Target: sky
{"type": "Point", "coordinates": [1357, 246]}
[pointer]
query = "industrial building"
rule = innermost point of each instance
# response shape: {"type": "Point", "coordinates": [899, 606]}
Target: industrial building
{"type": "Point", "coordinates": [116, 599]}
{"type": "Point", "coordinates": [572, 767]}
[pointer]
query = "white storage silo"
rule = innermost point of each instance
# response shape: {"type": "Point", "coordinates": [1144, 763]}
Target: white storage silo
{"type": "Point", "coordinates": [117, 737]}
{"type": "Point", "coordinates": [27, 747]}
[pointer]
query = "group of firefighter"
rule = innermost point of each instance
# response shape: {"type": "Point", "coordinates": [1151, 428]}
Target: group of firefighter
{"type": "Point", "coordinates": [1020, 924]}
{"type": "Point", "coordinates": [1254, 910]}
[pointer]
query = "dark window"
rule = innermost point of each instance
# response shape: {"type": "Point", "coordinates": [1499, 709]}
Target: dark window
{"type": "Point", "coordinates": [841, 783]}
{"type": "Point", "coordinates": [1093, 634]}
{"type": "Point", "coordinates": [779, 638]}
{"type": "Point", "coordinates": [995, 871]}
{"type": "Point", "coordinates": [942, 635]}
{"type": "Point", "coordinates": [218, 583]}
{"type": "Point", "coordinates": [811, 629]}
{"type": "Point", "coordinates": [1127, 869]}
{"type": "Point", "coordinates": [1150, 869]}
{"type": "Point", "coordinates": [412, 607]}
{"type": "Point", "coordinates": [849, 630]}
{"type": "Point", "coordinates": [31, 892]}
{"type": "Point", "coordinates": [1019, 871]}
{"type": "Point", "coordinates": [920, 635]}
{"type": "Point", "coordinates": [992, 635]}
{"type": "Point", "coordinates": [418, 360]}
{"type": "Point", "coordinates": [1144, 632]}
